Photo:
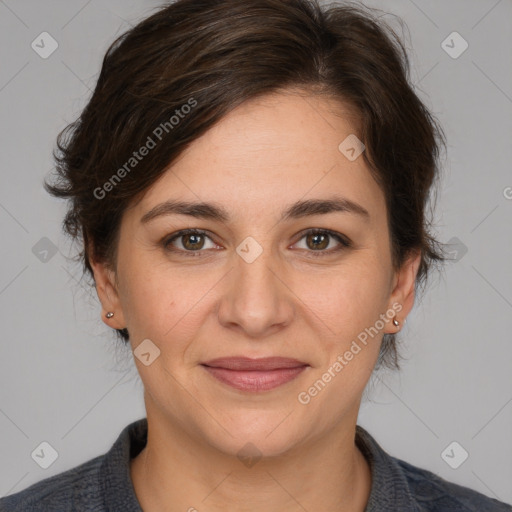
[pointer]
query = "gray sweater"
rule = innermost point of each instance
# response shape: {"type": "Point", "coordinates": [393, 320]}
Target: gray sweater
{"type": "Point", "coordinates": [104, 484]}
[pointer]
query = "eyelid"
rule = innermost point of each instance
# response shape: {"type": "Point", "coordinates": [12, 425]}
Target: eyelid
{"type": "Point", "coordinates": [344, 242]}
{"type": "Point", "coordinates": [167, 240]}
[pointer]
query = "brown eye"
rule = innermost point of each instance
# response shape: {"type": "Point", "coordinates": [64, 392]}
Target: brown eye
{"type": "Point", "coordinates": [192, 241]}
{"type": "Point", "coordinates": [317, 241]}
{"type": "Point", "coordinates": [189, 242]}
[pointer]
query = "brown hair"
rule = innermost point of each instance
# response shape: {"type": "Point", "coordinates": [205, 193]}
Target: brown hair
{"type": "Point", "coordinates": [212, 55]}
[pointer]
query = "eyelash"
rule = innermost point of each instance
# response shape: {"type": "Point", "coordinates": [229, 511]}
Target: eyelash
{"type": "Point", "coordinates": [344, 242]}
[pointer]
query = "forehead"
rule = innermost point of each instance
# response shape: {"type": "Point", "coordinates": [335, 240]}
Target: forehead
{"type": "Point", "coordinates": [268, 151]}
{"type": "Point", "coordinates": [279, 125]}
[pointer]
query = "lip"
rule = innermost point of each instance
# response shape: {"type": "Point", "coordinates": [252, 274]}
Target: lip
{"type": "Point", "coordinates": [262, 374]}
{"type": "Point", "coordinates": [248, 364]}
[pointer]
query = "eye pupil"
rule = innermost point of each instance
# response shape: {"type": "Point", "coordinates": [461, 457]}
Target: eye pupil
{"type": "Point", "coordinates": [322, 238]}
{"type": "Point", "coordinates": [195, 242]}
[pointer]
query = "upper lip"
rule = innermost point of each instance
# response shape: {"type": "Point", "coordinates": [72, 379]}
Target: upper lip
{"type": "Point", "coordinates": [246, 363]}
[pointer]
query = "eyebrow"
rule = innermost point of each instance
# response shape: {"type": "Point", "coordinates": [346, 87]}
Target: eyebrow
{"type": "Point", "coordinates": [299, 209]}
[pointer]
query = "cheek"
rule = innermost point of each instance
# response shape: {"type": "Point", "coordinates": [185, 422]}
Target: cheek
{"type": "Point", "coordinates": [164, 304]}
{"type": "Point", "coordinates": [347, 316]}
{"type": "Point", "coordinates": [347, 300]}
{"type": "Point", "coordinates": [149, 297]}
{"type": "Point", "coordinates": [152, 309]}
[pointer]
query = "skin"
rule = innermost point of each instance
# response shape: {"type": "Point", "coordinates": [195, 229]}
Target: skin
{"type": "Point", "coordinates": [260, 158]}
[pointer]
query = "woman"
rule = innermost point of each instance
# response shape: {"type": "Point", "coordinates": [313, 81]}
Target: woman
{"type": "Point", "coordinates": [249, 180]}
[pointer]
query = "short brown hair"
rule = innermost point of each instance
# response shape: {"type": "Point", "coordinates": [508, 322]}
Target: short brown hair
{"type": "Point", "coordinates": [214, 55]}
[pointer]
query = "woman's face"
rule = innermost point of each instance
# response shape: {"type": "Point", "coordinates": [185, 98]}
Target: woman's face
{"type": "Point", "coordinates": [256, 284]}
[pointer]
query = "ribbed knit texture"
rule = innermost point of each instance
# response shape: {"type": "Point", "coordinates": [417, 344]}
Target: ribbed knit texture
{"type": "Point", "coordinates": [103, 484]}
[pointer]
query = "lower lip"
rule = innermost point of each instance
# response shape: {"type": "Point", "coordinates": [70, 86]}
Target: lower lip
{"type": "Point", "coordinates": [255, 380]}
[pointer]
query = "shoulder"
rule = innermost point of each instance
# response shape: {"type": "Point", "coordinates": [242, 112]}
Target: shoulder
{"type": "Point", "coordinates": [398, 485]}
{"type": "Point", "coordinates": [100, 484]}
{"type": "Point", "coordinates": [74, 489]}
{"type": "Point", "coordinates": [433, 493]}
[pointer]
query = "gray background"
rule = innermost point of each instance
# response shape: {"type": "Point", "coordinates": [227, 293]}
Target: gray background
{"type": "Point", "coordinates": [62, 379]}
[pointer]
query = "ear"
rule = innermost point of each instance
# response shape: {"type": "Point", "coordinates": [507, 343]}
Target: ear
{"type": "Point", "coordinates": [108, 293]}
{"type": "Point", "coordinates": [402, 296]}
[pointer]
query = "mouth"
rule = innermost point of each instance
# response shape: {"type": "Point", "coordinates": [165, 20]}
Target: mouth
{"type": "Point", "coordinates": [246, 374]}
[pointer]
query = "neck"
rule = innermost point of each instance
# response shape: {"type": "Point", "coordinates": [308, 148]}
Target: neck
{"type": "Point", "coordinates": [177, 471]}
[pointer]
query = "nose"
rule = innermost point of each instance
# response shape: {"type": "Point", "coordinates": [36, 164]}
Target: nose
{"type": "Point", "coordinates": [256, 298]}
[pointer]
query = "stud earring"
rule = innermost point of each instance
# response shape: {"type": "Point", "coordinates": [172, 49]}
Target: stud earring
{"type": "Point", "coordinates": [109, 314]}
{"type": "Point", "coordinates": [396, 323]}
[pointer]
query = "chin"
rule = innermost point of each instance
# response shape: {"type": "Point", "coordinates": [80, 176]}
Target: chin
{"type": "Point", "coordinates": [256, 433]}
